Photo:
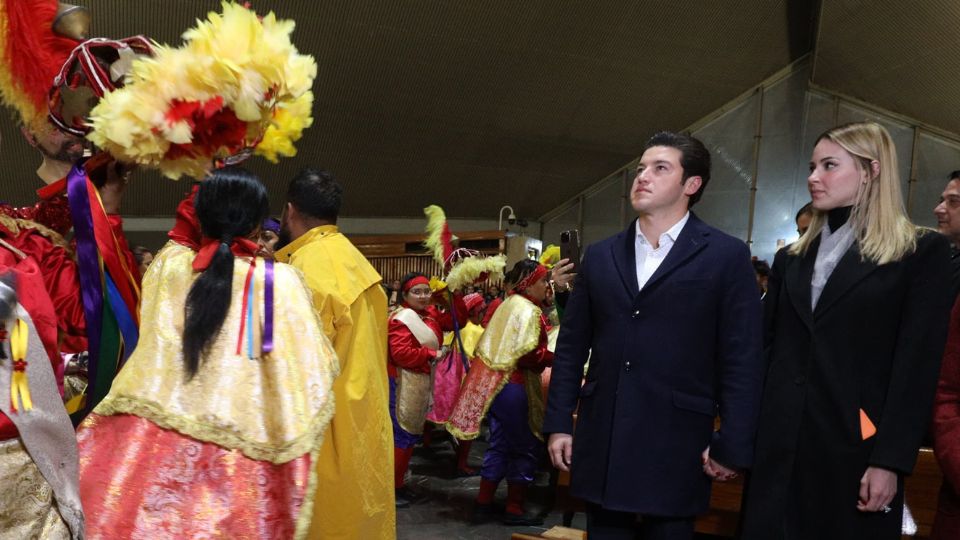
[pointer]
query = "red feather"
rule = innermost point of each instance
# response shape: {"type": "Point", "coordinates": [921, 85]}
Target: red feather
{"type": "Point", "coordinates": [32, 52]}
{"type": "Point", "coordinates": [446, 239]}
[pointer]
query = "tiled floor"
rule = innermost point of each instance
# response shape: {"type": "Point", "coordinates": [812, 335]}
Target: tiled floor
{"type": "Point", "coordinates": [447, 512]}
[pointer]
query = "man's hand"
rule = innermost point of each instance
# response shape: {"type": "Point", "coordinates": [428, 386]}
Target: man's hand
{"type": "Point", "coordinates": [562, 275]}
{"type": "Point", "coordinates": [877, 488]}
{"type": "Point", "coordinates": [560, 446]}
{"type": "Point", "coordinates": [111, 192]}
{"type": "Point", "coordinates": [716, 471]}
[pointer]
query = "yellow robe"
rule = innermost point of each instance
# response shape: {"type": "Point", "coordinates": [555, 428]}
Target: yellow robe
{"type": "Point", "coordinates": [355, 496]}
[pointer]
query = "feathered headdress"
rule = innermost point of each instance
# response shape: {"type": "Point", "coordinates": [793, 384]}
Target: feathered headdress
{"type": "Point", "coordinates": [237, 86]}
{"type": "Point", "coordinates": [550, 256]}
{"type": "Point", "coordinates": [31, 55]}
{"type": "Point", "coordinates": [463, 266]}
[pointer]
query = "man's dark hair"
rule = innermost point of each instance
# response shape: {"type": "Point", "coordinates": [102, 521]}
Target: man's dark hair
{"type": "Point", "coordinates": [805, 209]}
{"type": "Point", "coordinates": [761, 267]}
{"type": "Point", "coordinates": [139, 252]}
{"type": "Point", "coordinates": [694, 157]}
{"type": "Point", "coordinates": [955, 175]}
{"type": "Point", "coordinates": [315, 193]}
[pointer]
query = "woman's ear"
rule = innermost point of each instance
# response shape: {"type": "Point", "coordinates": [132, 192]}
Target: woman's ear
{"type": "Point", "coordinates": [874, 169]}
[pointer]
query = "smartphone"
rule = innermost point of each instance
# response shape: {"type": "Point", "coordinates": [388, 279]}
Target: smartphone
{"type": "Point", "coordinates": [570, 247]}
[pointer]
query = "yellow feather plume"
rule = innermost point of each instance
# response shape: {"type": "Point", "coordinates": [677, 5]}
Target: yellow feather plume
{"type": "Point", "coordinates": [436, 220]}
{"type": "Point", "coordinates": [550, 256]}
{"type": "Point", "coordinates": [287, 127]}
{"type": "Point", "coordinates": [247, 61]}
{"type": "Point", "coordinates": [469, 270]}
{"type": "Point", "coordinates": [437, 284]}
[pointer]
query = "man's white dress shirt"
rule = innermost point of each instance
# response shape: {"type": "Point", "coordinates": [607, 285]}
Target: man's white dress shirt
{"type": "Point", "coordinates": [648, 258]}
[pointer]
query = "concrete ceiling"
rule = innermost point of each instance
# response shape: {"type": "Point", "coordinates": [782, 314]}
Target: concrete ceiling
{"type": "Point", "coordinates": [473, 104]}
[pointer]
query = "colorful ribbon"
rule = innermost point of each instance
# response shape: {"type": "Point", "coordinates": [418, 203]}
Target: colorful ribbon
{"type": "Point", "coordinates": [250, 316]}
{"type": "Point", "coordinates": [108, 288]}
{"type": "Point", "coordinates": [245, 307]}
{"type": "Point", "coordinates": [19, 387]}
{"type": "Point", "coordinates": [268, 308]}
{"type": "Point", "coordinates": [88, 264]}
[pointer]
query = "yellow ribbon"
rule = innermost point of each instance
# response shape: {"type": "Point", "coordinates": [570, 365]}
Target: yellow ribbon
{"type": "Point", "coordinates": [19, 389]}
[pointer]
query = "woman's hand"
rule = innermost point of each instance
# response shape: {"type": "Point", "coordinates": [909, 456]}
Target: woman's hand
{"type": "Point", "coordinates": [877, 488]}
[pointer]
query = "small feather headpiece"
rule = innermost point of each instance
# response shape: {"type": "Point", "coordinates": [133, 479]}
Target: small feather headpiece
{"type": "Point", "coordinates": [463, 266]}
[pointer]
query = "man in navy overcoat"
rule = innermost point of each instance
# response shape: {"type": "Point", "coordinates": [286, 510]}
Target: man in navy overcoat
{"type": "Point", "coordinates": [668, 314]}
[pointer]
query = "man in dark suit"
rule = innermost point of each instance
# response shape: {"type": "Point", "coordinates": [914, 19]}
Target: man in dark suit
{"type": "Point", "coordinates": [947, 212]}
{"type": "Point", "coordinates": [669, 316]}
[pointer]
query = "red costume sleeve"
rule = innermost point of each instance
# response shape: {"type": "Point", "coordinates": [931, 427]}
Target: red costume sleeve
{"type": "Point", "coordinates": [406, 351]}
{"type": "Point", "coordinates": [52, 212]}
{"type": "Point", "coordinates": [946, 407]}
{"type": "Point", "coordinates": [186, 229]}
{"type": "Point", "coordinates": [540, 357]}
{"type": "Point", "coordinates": [61, 280]}
{"type": "Point", "coordinates": [34, 299]}
{"type": "Point", "coordinates": [494, 304]}
{"type": "Point", "coordinates": [444, 318]}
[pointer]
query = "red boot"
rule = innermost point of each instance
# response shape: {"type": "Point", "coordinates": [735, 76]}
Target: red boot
{"type": "Point", "coordinates": [401, 461]}
{"type": "Point", "coordinates": [463, 453]}
{"type": "Point", "coordinates": [514, 516]}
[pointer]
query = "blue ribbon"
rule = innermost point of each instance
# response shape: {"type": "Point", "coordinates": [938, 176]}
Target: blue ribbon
{"type": "Point", "coordinates": [128, 328]}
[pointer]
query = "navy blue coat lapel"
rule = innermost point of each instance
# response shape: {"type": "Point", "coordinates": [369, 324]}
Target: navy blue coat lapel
{"type": "Point", "coordinates": [625, 258]}
{"type": "Point", "coordinates": [692, 239]}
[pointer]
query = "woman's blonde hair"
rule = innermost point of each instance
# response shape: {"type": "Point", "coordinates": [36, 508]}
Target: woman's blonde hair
{"type": "Point", "coordinates": [883, 231]}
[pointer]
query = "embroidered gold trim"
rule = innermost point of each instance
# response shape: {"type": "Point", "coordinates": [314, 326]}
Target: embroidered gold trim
{"type": "Point", "coordinates": [308, 441]}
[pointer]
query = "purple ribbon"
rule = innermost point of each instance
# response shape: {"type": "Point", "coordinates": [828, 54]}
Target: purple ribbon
{"type": "Point", "coordinates": [268, 307]}
{"type": "Point", "coordinates": [88, 262]}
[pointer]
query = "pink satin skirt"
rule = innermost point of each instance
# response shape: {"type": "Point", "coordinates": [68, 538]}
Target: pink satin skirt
{"type": "Point", "coordinates": [138, 480]}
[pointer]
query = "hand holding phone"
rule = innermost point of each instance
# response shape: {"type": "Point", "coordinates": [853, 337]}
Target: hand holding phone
{"type": "Point", "coordinates": [570, 248]}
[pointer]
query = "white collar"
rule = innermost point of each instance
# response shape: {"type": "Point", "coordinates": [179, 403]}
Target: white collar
{"type": "Point", "coordinates": [672, 233]}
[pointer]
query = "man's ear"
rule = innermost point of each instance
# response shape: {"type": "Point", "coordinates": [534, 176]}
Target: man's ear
{"type": "Point", "coordinates": [28, 136]}
{"type": "Point", "coordinates": [692, 185]}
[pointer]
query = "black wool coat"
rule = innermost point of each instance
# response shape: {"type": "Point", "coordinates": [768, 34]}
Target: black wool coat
{"type": "Point", "coordinates": [874, 342]}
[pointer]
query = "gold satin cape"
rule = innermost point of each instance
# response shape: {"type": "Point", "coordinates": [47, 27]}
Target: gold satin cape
{"type": "Point", "coordinates": [355, 496]}
{"type": "Point", "coordinates": [275, 408]}
{"type": "Point", "coordinates": [513, 331]}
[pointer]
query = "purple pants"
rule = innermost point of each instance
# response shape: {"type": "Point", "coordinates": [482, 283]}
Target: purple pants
{"type": "Point", "coordinates": [401, 438]}
{"type": "Point", "coordinates": [514, 450]}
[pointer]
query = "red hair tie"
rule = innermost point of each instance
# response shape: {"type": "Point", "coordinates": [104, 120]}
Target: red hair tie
{"type": "Point", "coordinates": [241, 247]}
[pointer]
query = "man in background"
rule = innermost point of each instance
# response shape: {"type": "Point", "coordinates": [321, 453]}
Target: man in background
{"type": "Point", "coordinates": [354, 496]}
{"type": "Point", "coordinates": [948, 222]}
{"type": "Point", "coordinates": [804, 217]}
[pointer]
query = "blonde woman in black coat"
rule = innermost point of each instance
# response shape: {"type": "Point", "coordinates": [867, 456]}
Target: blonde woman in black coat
{"type": "Point", "coordinates": [855, 324]}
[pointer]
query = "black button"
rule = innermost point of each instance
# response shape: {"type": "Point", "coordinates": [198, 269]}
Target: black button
{"type": "Point", "coordinates": [636, 314]}
{"type": "Point", "coordinates": [627, 365]}
{"type": "Point", "coordinates": [800, 380]}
